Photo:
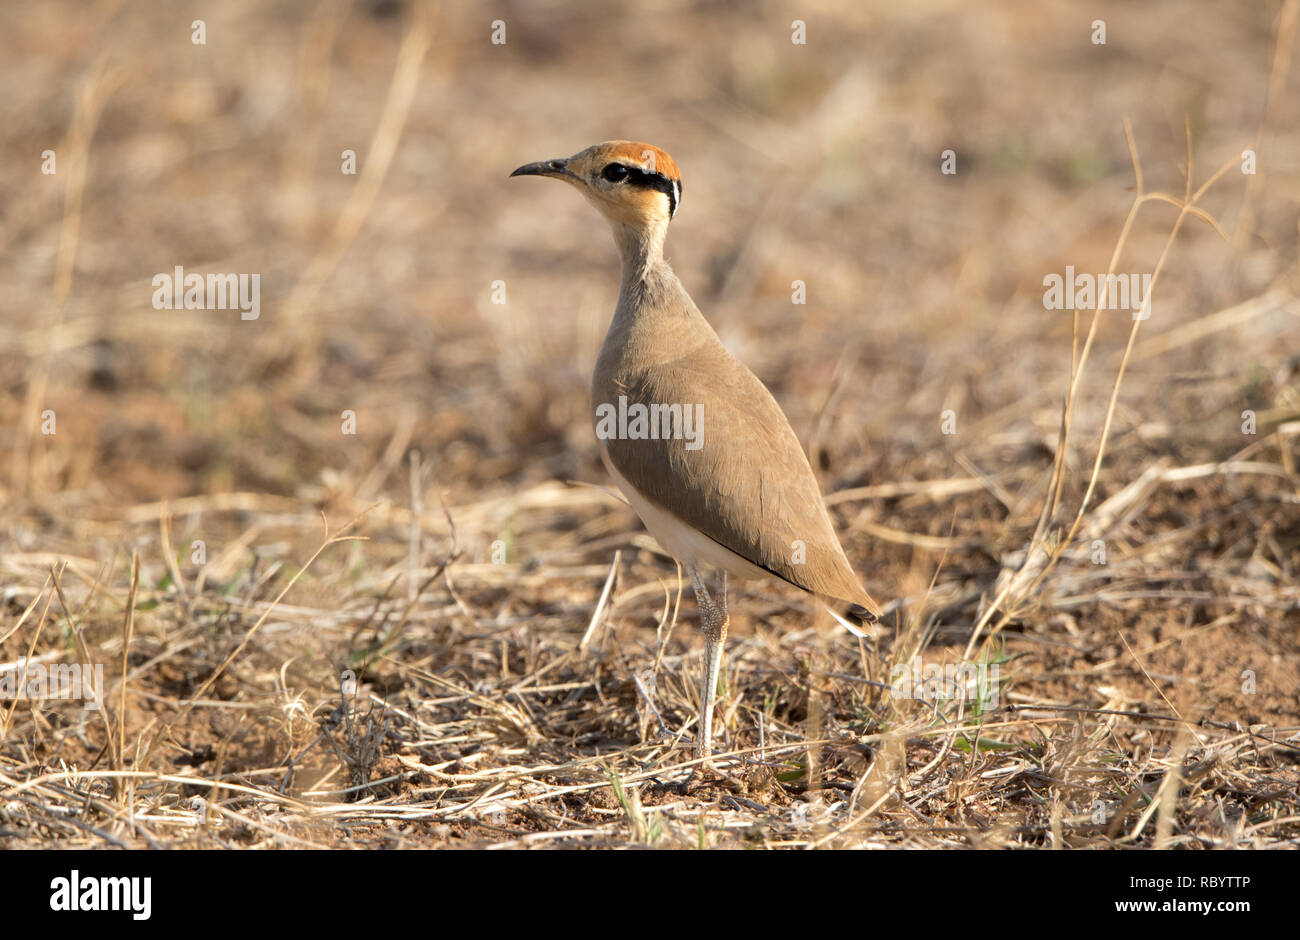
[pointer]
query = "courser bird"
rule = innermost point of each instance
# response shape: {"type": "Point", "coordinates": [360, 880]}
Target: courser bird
{"type": "Point", "coordinates": [740, 496]}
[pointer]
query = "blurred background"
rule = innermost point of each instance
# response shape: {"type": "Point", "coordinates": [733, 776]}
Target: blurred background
{"type": "Point", "coordinates": [816, 162]}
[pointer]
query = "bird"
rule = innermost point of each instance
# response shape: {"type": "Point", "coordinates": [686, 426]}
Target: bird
{"type": "Point", "coordinates": [694, 440]}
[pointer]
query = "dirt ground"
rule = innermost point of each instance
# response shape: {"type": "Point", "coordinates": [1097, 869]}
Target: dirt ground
{"type": "Point", "coordinates": [353, 570]}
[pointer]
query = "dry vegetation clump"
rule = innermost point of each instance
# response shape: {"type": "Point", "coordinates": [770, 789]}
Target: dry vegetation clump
{"type": "Point", "coordinates": [443, 631]}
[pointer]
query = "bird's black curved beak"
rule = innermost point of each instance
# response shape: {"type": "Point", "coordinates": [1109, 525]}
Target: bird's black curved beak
{"type": "Point", "coordinates": [556, 168]}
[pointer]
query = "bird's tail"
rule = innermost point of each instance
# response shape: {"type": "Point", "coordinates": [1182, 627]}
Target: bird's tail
{"type": "Point", "coordinates": [854, 617]}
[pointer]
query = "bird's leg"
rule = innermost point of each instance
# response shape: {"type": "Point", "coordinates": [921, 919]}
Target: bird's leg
{"type": "Point", "coordinates": [714, 623]}
{"type": "Point", "coordinates": [726, 621]}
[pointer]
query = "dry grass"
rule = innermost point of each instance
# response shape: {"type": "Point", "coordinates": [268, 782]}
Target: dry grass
{"type": "Point", "coordinates": [425, 634]}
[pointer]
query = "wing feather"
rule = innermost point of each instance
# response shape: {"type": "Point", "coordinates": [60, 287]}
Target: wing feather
{"type": "Point", "coordinates": [766, 506]}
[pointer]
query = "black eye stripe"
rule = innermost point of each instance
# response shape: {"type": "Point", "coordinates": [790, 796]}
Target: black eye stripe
{"type": "Point", "coordinates": [664, 185]}
{"type": "Point", "coordinates": [621, 172]}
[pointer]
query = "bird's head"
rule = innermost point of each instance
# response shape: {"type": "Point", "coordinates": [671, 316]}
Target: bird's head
{"type": "Point", "coordinates": [632, 184]}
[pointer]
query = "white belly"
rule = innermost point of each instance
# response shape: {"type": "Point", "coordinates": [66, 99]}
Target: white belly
{"type": "Point", "coordinates": [687, 544]}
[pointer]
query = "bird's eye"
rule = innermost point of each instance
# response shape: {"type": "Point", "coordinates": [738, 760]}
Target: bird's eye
{"type": "Point", "coordinates": [615, 172]}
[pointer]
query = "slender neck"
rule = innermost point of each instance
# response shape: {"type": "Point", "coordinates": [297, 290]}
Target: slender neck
{"type": "Point", "coordinates": [641, 247]}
